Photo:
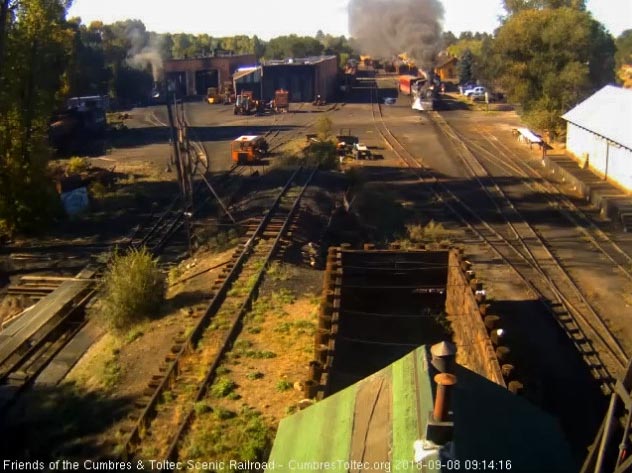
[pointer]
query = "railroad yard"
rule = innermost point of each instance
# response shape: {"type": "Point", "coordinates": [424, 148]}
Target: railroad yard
{"type": "Point", "coordinates": [250, 276]}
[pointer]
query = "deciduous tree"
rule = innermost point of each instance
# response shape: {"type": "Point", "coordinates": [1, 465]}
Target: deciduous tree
{"type": "Point", "coordinates": [515, 6]}
{"type": "Point", "coordinates": [36, 41]}
{"type": "Point", "coordinates": [624, 58]}
{"type": "Point", "coordinates": [624, 48]}
{"type": "Point", "coordinates": [550, 59]}
{"type": "Point", "coordinates": [293, 46]}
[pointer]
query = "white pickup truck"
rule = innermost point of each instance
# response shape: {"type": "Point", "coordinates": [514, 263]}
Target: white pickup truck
{"type": "Point", "coordinates": [476, 92]}
{"type": "Point", "coordinates": [361, 151]}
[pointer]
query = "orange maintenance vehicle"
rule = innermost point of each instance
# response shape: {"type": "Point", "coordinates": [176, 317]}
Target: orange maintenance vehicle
{"type": "Point", "coordinates": [281, 102]}
{"type": "Point", "coordinates": [248, 149]}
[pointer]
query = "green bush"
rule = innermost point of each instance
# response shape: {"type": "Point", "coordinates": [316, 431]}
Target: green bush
{"type": "Point", "coordinates": [323, 154]}
{"type": "Point", "coordinates": [433, 232]}
{"type": "Point", "coordinates": [98, 190]}
{"type": "Point", "coordinates": [323, 128]}
{"type": "Point", "coordinates": [259, 354]}
{"type": "Point", "coordinates": [283, 385]}
{"type": "Point", "coordinates": [255, 375]}
{"type": "Point", "coordinates": [134, 289]}
{"type": "Point", "coordinates": [201, 408]}
{"type": "Point", "coordinates": [225, 414]}
{"type": "Point", "coordinates": [5, 229]}
{"type": "Point", "coordinates": [28, 199]}
{"type": "Point", "coordinates": [254, 438]}
{"type": "Point", "coordinates": [223, 387]}
{"type": "Point", "coordinates": [77, 165]}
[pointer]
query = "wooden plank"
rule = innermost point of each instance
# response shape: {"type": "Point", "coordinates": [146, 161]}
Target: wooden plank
{"type": "Point", "coordinates": [372, 424]}
{"type": "Point", "coordinates": [59, 367]}
{"type": "Point", "coordinates": [30, 288]}
{"type": "Point", "coordinates": [47, 278]}
{"type": "Point", "coordinates": [42, 312]}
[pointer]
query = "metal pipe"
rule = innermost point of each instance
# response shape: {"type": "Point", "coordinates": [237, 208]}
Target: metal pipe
{"type": "Point", "coordinates": [444, 381]}
{"type": "Point", "coordinates": [624, 439]}
{"type": "Point", "coordinates": [605, 440]}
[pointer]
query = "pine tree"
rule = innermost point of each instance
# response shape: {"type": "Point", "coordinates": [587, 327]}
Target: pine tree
{"type": "Point", "coordinates": [465, 67]}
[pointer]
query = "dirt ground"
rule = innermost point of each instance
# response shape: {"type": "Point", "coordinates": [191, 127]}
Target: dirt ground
{"type": "Point", "coordinates": [142, 183]}
{"type": "Point", "coordinates": [139, 352]}
{"type": "Point", "coordinates": [267, 389]}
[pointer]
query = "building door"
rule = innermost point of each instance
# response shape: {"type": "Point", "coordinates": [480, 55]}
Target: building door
{"type": "Point", "coordinates": [205, 79]}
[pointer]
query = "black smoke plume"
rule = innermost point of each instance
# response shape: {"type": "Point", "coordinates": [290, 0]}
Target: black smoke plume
{"type": "Point", "coordinates": [385, 28]}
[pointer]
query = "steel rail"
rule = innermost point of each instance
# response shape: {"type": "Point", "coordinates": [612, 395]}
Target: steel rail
{"type": "Point", "coordinates": [609, 340]}
{"type": "Point", "coordinates": [230, 337]}
{"type": "Point", "coordinates": [137, 433]}
{"type": "Point", "coordinates": [452, 200]}
{"type": "Point", "coordinates": [561, 203]}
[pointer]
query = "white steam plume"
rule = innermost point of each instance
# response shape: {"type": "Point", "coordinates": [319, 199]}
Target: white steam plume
{"type": "Point", "coordinates": [145, 52]}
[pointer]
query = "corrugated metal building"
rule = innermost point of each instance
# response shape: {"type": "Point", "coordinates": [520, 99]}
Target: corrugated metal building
{"type": "Point", "coordinates": [248, 79]}
{"type": "Point", "coordinates": [599, 134]}
{"type": "Point", "coordinates": [385, 424]}
{"type": "Point", "coordinates": [303, 78]}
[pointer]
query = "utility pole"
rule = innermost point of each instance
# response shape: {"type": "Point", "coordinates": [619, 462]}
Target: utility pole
{"type": "Point", "coordinates": [177, 126]}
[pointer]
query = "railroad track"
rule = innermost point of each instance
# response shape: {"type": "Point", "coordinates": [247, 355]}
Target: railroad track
{"type": "Point", "coordinates": [159, 229]}
{"type": "Point", "coordinates": [24, 362]}
{"type": "Point", "coordinates": [273, 136]}
{"type": "Point", "coordinates": [521, 247]}
{"type": "Point", "coordinates": [24, 355]}
{"type": "Point", "coordinates": [556, 200]}
{"type": "Point", "coordinates": [21, 363]}
{"type": "Point", "coordinates": [191, 366]}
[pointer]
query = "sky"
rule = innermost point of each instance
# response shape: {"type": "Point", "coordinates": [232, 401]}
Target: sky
{"type": "Point", "coordinates": [270, 18]}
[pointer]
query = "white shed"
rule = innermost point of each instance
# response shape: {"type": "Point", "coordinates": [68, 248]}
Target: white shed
{"type": "Point", "coordinates": [599, 134]}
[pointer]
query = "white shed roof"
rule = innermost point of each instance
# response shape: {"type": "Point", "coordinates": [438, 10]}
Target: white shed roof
{"type": "Point", "coordinates": [607, 113]}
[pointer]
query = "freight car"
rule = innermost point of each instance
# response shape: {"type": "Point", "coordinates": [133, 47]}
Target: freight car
{"type": "Point", "coordinates": [281, 102]}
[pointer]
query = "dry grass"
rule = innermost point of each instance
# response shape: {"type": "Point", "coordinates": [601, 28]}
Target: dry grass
{"type": "Point", "coordinates": [292, 147]}
{"type": "Point", "coordinates": [627, 298]}
{"type": "Point", "coordinates": [432, 234]}
{"type": "Point", "coordinates": [261, 391]}
{"type": "Point", "coordinates": [99, 369]}
{"type": "Point", "coordinates": [121, 366]}
{"type": "Point", "coordinates": [10, 306]}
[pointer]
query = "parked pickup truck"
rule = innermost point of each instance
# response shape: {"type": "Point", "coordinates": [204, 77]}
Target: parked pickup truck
{"type": "Point", "coordinates": [361, 151]}
{"type": "Point", "coordinates": [476, 92]}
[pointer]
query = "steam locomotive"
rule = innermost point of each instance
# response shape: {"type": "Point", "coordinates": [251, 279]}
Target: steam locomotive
{"type": "Point", "coordinates": [423, 88]}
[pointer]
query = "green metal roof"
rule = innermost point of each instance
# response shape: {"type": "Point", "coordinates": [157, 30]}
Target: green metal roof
{"type": "Point", "coordinates": [374, 423]}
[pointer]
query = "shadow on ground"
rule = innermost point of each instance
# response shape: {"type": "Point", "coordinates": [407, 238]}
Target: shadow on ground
{"type": "Point", "coordinates": [555, 376]}
{"type": "Point", "coordinates": [60, 421]}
